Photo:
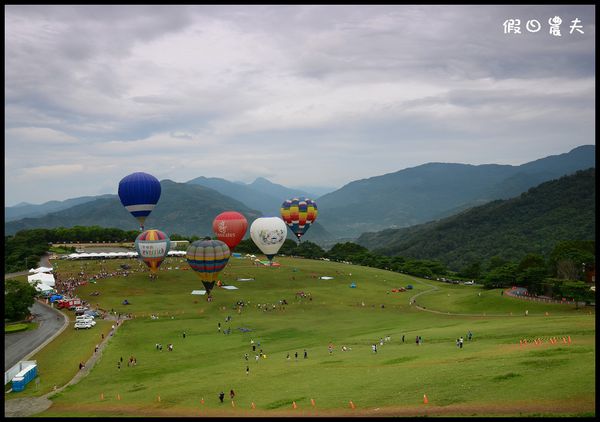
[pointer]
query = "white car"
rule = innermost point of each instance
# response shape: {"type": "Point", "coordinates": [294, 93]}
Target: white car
{"type": "Point", "coordinates": [82, 324]}
{"type": "Point", "coordinates": [86, 320]}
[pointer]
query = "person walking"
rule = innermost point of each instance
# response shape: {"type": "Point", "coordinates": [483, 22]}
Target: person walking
{"type": "Point", "coordinates": [219, 326]}
{"type": "Point", "coordinates": [247, 369]}
{"type": "Point", "coordinates": [246, 356]}
{"type": "Point", "coordinates": [296, 355]}
{"type": "Point", "coordinates": [402, 338]}
{"type": "Point", "coordinates": [184, 334]}
{"type": "Point", "coordinates": [460, 340]}
{"type": "Point", "coordinates": [305, 354]}
{"type": "Point", "coordinates": [231, 394]}
{"type": "Point", "coordinates": [221, 396]}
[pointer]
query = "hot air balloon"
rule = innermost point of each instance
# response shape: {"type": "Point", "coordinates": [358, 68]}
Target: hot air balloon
{"type": "Point", "coordinates": [299, 214]}
{"type": "Point", "coordinates": [207, 258]}
{"type": "Point", "coordinates": [152, 247]}
{"type": "Point", "coordinates": [230, 228]}
{"type": "Point", "coordinates": [268, 233]}
{"type": "Point", "coordinates": [139, 193]}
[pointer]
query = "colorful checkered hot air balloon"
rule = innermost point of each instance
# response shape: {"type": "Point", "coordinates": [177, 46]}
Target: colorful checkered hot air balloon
{"type": "Point", "coordinates": [152, 247]}
{"type": "Point", "coordinates": [207, 258]}
{"type": "Point", "coordinates": [299, 214]}
{"type": "Point", "coordinates": [139, 194]}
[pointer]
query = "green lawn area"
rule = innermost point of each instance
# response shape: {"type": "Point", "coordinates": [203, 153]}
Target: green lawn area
{"type": "Point", "coordinates": [491, 375]}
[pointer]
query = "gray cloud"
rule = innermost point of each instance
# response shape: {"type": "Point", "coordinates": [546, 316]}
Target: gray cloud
{"type": "Point", "coordinates": [332, 93]}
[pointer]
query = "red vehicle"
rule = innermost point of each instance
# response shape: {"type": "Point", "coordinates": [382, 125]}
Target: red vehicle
{"type": "Point", "coordinates": [69, 303]}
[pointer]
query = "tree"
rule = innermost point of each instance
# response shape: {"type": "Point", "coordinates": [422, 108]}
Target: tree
{"type": "Point", "coordinates": [18, 297]}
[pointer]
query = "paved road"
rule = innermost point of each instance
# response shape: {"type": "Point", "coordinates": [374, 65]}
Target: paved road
{"type": "Point", "coordinates": [18, 345]}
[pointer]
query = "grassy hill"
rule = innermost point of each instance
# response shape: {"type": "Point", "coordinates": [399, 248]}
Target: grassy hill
{"type": "Point", "coordinates": [562, 209]}
{"type": "Point", "coordinates": [491, 375]}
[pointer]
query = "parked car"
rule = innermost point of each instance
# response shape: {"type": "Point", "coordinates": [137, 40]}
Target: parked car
{"type": "Point", "coordinates": [469, 283]}
{"type": "Point", "coordinates": [82, 324]}
{"type": "Point", "coordinates": [92, 313]}
{"type": "Point", "coordinates": [82, 318]}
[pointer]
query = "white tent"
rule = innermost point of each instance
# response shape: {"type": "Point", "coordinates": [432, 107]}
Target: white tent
{"type": "Point", "coordinates": [41, 270]}
{"type": "Point", "coordinates": [40, 287]}
{"type": "Point", "coordinates": [47, 279]}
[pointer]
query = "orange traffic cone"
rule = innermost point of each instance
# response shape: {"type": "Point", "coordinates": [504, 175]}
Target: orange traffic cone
{"type": "Point", "coordinates": [564, 340]}
{"type": "Point", "coordinates": [425, 399]}
{"type": "Point", "coordinates": [569, 339]}
{"type": "Point", "coordinates": [202, 401]}
{"type": "Point", "coordinates": [294, 405]}
{"type": "Point", "coordinates": [253, 405]}
{"type": "Point", "coordinates": [351, 404]}
{"type": "Point", "coordinates": [312, 401]}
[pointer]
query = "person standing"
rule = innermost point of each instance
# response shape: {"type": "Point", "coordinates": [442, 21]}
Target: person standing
{"type": "Point", "coordinates": [460, 342]}
{"type": "Point", "coordinates": [184, 334]}
{"type": "Point", "coordinates": [305, 354]}
{"type": "Point", "coordinates": [219, 326]}
{"type": "Point", "coordinates": [402, 338]}
{"type": "Point", "coordinates": [296, 355]}
{"type": "Point", "coordinates": [288, 356]}
{"type": "Point", "coordinates": [221, 396]}
{"type": "Point", "coordinates": [247, 369]}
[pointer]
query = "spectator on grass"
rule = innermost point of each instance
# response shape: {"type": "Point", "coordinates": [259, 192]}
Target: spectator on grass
{"type": "Point", "coordinates": [247, 369]}
{"type": "Point", "coordinates": [402, 338]}
{"type": "Point", "coordinates": [305, 354]}
{"type": "Point", "coordinates": [288, 356]}
{"type": "Point", "coordinates": [231, 394]}
{"type": "Point", "coordinates": [296, 355]}
{"type": "Point", "coordinates": [221, 396]}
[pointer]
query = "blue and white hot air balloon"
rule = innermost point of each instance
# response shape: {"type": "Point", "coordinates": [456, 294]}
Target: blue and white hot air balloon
{"type": "Point", "coordinates": [139, 193]}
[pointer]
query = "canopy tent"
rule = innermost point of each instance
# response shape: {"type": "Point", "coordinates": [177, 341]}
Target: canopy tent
{"type": "Point", "coordinates": [43, 288]}
{"type": "Point", "coordinates": [44, 278]}
{"type": "Point", "coordinates": [41, 270]}
{"type": "Point", "coordinates": [326, 278]}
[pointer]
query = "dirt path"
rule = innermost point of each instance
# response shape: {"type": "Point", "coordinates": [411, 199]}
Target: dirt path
{"type": "Point", "coordinates": [28, 406]}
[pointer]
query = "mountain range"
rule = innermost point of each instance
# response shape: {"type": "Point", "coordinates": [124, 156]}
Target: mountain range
{"type": "Point", "coordinates": [405, 198]}
{"type": "Point", "coordinates": [436, 190]}
{"type": "Point", "coordinates": [533, 222]}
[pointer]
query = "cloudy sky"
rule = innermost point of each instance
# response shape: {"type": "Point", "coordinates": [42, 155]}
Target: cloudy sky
{"type": "Point", "coordinates": [301, 95]}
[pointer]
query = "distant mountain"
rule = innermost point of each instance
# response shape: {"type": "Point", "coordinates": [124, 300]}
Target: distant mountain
{"type": "Point", "coordinates": [435, 190]}
{"type": "Point", "coordinates": [25, 209]}
{"type": "Point", "coordinates": [316, 191]}
{"type": "Point", "coordinates": [278, 191]}
{"type": "Point", "coordinates": [561, 209]}
{"type": "Point", "coordinates": [184, 209]}
{"type": "Point", "coordinates": [260, 195]}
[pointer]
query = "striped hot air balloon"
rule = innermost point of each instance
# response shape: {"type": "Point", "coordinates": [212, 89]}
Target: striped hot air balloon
{"type": "Point", "coordinates": [207, 258]}
{"type": "Point", "coordinates": [299, 214]}
{"type": "Point", "coordinates": [152, 247]}
{"type": "Point", "coordinates": [139, 194]}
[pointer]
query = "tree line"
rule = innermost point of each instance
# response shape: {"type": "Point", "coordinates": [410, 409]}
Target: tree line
{"type": "Point", "coordinates": [560, 274]}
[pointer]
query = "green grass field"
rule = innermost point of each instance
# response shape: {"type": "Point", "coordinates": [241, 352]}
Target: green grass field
{"type": "Point", "coordinates": [491, 375]}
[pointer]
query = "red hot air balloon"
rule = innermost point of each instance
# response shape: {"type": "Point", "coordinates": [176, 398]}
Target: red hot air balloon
{"type": "Point", "coordinates": [230, 228]}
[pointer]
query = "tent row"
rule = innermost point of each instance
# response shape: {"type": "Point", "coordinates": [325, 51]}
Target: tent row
{"type": "Point", "coordinates": [115, 255]}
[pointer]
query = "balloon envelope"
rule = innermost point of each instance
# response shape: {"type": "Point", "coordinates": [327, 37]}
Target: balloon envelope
{"type": "Point", "coordinates": [139, 194]}
{"type": "Point", "coordinates": [268, 233]}
{"type": "Point", "coordinates": [152, 247]}
{"type": "Point", "coordinates": [207, 258]}
{"type": "Point", "coordinates": [299, 214]}
{"type": "Point", "coordinates": [230, 228]}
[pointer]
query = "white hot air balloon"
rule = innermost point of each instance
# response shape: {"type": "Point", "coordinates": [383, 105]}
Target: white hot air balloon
{"type": "Point", "coordinates": [268, 233]}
